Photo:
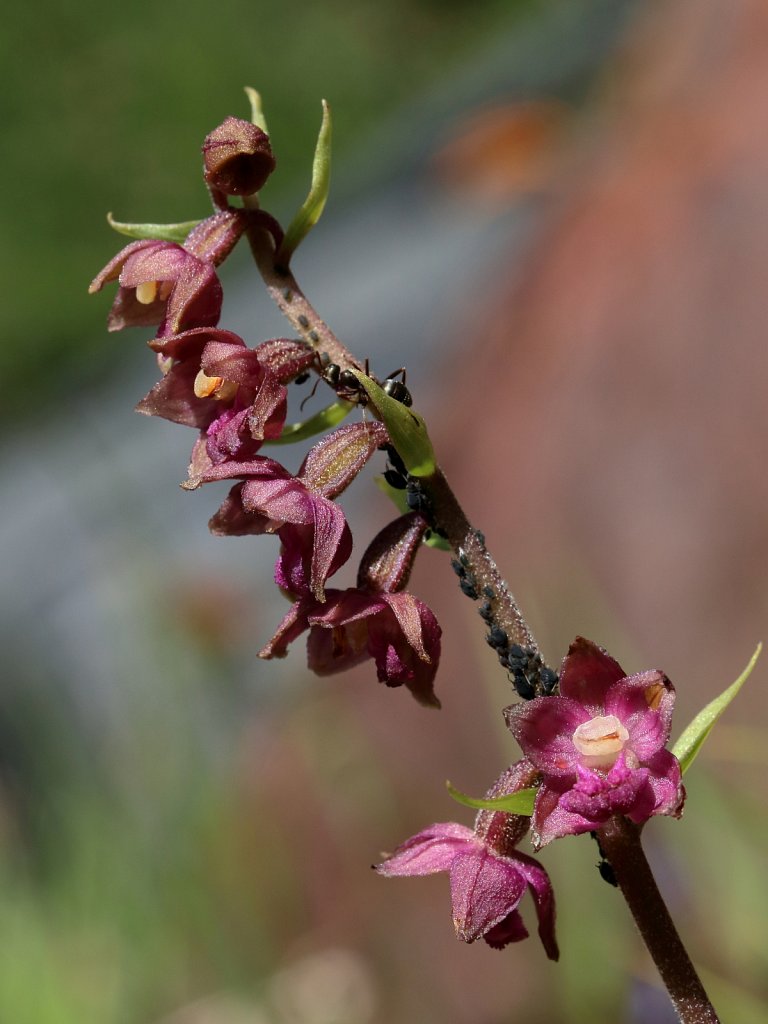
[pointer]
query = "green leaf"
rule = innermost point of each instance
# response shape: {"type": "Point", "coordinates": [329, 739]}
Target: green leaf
{"type": "Point", "coordinates": [257, 111]}
{"type": "Point", "coordinates": [397, 496]}
{"type": "Point", "coordinates": [328, 417]}
{"type": "Point", "coordinates": [313, 205]}
{"type": "Point", "coordinates": [162, 232]}
{"type": "Point", "coordinates": [693, 736]}
{"type": "Point", "coordinates": [407, 430]}
{"type": "Point", "coordinates": [520, 802]}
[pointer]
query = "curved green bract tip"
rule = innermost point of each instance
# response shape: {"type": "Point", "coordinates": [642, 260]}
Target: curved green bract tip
{"type": "Point", "coordinates": [328, 417]}
{"type": "Point", "coordinates": [692, 738]}
{"type": "Point", "coordinates": [313, 205]}
{"type": "Point", "coordinates": [161, 232]}
{"type": "Point", "coordinates": [257, 111]}
{"type": "Point", "coordinates": [407, 430]}
{"type": "Point", "coordinates": [520, 802]}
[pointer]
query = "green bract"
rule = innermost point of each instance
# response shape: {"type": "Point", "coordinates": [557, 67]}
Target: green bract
{"type": "Point", "coordinates": [161, 232]}
{"type": "Point", "coordinates": [257, 113]}
{"type": "Point", "coordinates": [520, 802]}
{"type": "Point", "coordinates": [313, 205]}
{"type": "Point", "coordinates": [407, 430]}
{"type": "Point", "coordinates": [328, 417]}
{"type": "Point", "coordinates": [693, 736]}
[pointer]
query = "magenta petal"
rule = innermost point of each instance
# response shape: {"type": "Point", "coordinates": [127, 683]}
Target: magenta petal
{"type": "Point", "coordinates": [416, 622]}
{"type": "Point", "coordinates": [338, 638]}
{"type": "Point", "coordinates": [428, 852]}
{"type": "Point", "coordinates": [544, 729]}
{"type": "Point", "coordinates": [266, 415]}
{"type": "Point", "coordinates": [484, 890]}
{"type": "Point", "coordinates": [232, 520]}
{"type": "Point", "coordinates": [644, 703]}
{"type": "Point", "coordinates": [303, 567]}
{"type": "Point", "coordinates": [666, 781]}
{"type": "Point", "coordinates": [234, 362]}
{"type": "Point", "coordinates": [544, 899]}
{"type": "Point", "coordinates": [281, 499]}
{"type": "Point", "coordinates": [586, 674]}
{"type": "Point", "coordinates": [511, 929]}
{"type": "Point", "coordinates": [173, 398]}
{"type": "Point", "coordinates": [293, 625]}
{"type": "Point", "coordinates": [552, 821]}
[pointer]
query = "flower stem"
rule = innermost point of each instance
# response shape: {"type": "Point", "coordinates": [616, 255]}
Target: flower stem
{"type": "Point", "coordinates": [620, 842]}
{"type": "Point", "coordinates": [446, 511]}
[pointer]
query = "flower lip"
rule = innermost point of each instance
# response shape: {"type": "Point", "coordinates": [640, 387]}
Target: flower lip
{"type": "Point", "coordinates": [600, 741]}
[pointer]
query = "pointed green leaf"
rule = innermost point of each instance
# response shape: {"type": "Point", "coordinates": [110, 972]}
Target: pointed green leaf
{"type": "Point", "coordinates": [520, 802]}
{"type": "Point", "coordinates": [407, 430]}
{"type": "Point", "coordinates": [257, 111]}
{"type": "Point", "coordinates": [434, 540]}
{"type": "Point", "coordinates": [693, 736]}
{"type": "Point", "coordinates": [323, 420]}
{"type": "Point", "coordinates": [313, 205]}
{"type": "Point", "coordinates": [162, 232]}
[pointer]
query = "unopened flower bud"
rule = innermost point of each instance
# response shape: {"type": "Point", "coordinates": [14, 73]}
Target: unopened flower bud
{"type": "Point", "coordinates": [237, 158]}
{"type": "Point", "coordinates": [387, 562]}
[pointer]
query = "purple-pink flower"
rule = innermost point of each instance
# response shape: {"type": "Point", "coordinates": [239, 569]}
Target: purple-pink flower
{"type": "Point", "coordinates": [161, 283]}
{"type": "Point", "coordinates": [315, 537]}
{"type": "Point", "coordinates": [398, 631]}
{"type": "Point", "coordinates": [599, 746]}
{"type": "Point", "coordinates": [488, 875]}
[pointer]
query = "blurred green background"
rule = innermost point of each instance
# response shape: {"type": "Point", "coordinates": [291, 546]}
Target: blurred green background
{"type": "Point", "coordinates": [185, 835]}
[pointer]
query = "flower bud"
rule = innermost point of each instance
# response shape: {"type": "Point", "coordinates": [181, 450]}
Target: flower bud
{"type": "Point", "coordinates": [387, 562]}
{"type": "Point", "coordinates": [237, 158]}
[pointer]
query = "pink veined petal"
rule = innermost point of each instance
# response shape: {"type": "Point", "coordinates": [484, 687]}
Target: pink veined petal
{"type": "Point", "coordinates": [429, 851]}
{"type": "Point", "coordinates": [284, 500]}
{"type": "Point", "coordinates": [233, 361]}
{"type": "Point", "coordinates": [173, 398]}
{"type": "Point", "coordinates": [484, 890]}
{"type": "Point", "coordinates": [293, 625]}
{"type": "Point", "coordinates": [331, 532]}
{"type": "Point", "coordinates": [544, 729]}
{"type": "Point", "coordinates": [266, 416]}
{"type": "Point", "coordinates": [665, 778]}
{"type": "Point", "coordinates": [412, 618]}
{"type": "Point", "coordinates": [544, 900]}
{"type": "Point", "coordinates": [232, 520]}
{"type": "Point", "coordinates": [161, 261]}
{"type": "Point", "coordinates": [586, 674]}
{"type": "Point", "coordinates": [550, 820]}
{"type": "Point", "coordinates": [336, 650]}
{"type": "Point", "coordinates": [350, 606]}
{"type": "Point", "coordinates": [644, 703]}
{"type": "Point", "coordinates": [338, 637]}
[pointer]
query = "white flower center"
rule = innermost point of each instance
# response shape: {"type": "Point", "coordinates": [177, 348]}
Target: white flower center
{"type": "Point", "coordinates": [600, 741]}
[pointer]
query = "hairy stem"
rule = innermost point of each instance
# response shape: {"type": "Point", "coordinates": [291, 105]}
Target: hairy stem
{"type": "Point", "coordinates": [447, 513]}
{"type": "Point", "coordinates": [620, 842]}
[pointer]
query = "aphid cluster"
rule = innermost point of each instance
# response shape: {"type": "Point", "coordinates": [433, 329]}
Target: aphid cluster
{"type": "Point", "coordinates": [397, 476]}
{"type": "Point", "coordinates": [530, 676]}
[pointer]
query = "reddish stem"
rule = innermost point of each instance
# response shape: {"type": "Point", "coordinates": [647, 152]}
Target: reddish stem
{"type": "Point", "coordinates": [620, 843]}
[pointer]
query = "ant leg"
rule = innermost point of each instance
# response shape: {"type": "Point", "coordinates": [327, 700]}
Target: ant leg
{"type": "Point", "coordinates": [397, 373]}
{"type": "Point", "coordinates": [310, 395]}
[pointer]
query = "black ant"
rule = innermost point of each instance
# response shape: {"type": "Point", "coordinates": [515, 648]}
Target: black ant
{"type": "Point", "coordinates": [350, 389]}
